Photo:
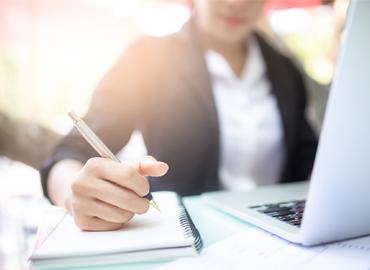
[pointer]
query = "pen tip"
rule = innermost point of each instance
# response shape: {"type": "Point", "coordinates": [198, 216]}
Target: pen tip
{"type": "Point", "coordinates": [154, 204]}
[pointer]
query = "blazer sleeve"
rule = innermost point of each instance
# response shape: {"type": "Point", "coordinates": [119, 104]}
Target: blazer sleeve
{"type": "Point", "coordinates": [114, 112]}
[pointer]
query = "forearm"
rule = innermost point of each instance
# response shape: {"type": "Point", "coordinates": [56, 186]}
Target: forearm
{"type": "Point", "coordinates": [60, 179]}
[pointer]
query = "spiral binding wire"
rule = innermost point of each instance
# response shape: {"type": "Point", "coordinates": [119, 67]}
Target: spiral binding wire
{"type": "Point", "coordinates": [189, 228]}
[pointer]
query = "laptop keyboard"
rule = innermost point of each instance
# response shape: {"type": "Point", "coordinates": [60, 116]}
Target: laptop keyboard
{"type": "Point", "coordinates": [290, 212]}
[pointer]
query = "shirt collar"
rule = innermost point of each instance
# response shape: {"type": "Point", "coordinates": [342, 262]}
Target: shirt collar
{"type": "Point", "coordinates": [254, 67]}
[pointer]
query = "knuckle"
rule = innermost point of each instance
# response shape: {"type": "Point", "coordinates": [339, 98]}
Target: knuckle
{"type": "Point", "coordinates": [93, 165]}
{"type": "Point", "coordinates": [77, 187]}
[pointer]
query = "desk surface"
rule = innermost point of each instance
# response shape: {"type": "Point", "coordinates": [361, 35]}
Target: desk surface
{"type": "Point", "coordinates": [211, 223]}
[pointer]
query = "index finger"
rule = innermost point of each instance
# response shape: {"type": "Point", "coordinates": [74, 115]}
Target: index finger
{"type": "Point", "coordinates": [122, 174]}
{"type": "Point", "coordinates": [149, 166]}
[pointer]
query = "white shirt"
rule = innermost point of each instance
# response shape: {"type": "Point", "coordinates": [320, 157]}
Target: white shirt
{"type": "Point", "coordinates": [252, 139]}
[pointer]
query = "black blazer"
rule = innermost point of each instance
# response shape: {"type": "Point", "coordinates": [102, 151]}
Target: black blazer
{"type": "Point", "coordinates": [161, 86]}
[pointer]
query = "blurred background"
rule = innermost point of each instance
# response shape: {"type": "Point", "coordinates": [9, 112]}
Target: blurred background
{"type": "Point", "coordinates": [54, 52]}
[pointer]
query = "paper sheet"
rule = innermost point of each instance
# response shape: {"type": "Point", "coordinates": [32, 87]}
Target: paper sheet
{"type": "Point", "coordinates": [152, 230]}
{"type": "Point", "coordinates": [256, 249]}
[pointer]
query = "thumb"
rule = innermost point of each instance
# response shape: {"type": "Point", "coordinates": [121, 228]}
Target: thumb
{"type": "Point", "coordinates": [149, 166]}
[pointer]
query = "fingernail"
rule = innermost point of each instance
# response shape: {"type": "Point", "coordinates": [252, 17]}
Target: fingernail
{"type": "Point", "coordinates": [150, 162]}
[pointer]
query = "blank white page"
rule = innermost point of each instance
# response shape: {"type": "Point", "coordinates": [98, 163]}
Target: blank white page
{"type": "Point", "coordinates": [149, 231]}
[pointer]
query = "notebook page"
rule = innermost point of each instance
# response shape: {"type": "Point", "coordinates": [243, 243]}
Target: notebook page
{"type": "Point", "coordinates": [149, 231]}
{"type": "Point", "coordinates": [257, 249]}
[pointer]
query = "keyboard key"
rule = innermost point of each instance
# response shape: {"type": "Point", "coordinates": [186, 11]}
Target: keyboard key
{"type": "Point", "coordinates": [280, 214]}
{"type": "Point", "coordinates": [274, 209]}
{"type": "Point", "coordinates": [288, 211]}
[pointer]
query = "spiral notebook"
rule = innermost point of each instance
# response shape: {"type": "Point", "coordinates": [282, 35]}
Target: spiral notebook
{"type": "Point", "coordinates": [153, 236]}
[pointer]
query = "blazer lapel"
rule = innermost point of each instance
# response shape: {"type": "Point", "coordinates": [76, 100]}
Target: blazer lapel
{"type": "Point", "coordinates": [196, 74]}
{"type": "Point", "coordinates": [283, 89]}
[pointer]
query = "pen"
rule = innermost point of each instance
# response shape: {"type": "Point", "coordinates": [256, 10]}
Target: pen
{"type": "Point", "coordinates": [100, 147]}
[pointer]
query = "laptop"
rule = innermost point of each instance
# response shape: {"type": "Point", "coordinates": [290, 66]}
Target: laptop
{"type": "Point", "coordinates": [335, 204]}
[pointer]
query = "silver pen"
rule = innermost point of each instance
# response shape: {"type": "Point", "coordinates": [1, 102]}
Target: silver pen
{"type": "Point", "coordinates": [100, 147]}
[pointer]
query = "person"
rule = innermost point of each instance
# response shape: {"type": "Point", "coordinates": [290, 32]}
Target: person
{"type": "Point", "coordinates": [216, 104]}
{"type": "Point", "coordinates": [24, 141]}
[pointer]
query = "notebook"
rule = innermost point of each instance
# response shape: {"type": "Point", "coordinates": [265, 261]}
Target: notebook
{"type": "Point", "coordinates": [154, 236]}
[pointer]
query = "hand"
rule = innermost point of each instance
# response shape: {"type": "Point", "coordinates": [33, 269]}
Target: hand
{"type": "Point", "coordinates": [106, 194]}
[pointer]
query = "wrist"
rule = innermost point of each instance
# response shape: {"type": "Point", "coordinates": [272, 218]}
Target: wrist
{"type": "Point", "coordinates": [60, 180]}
